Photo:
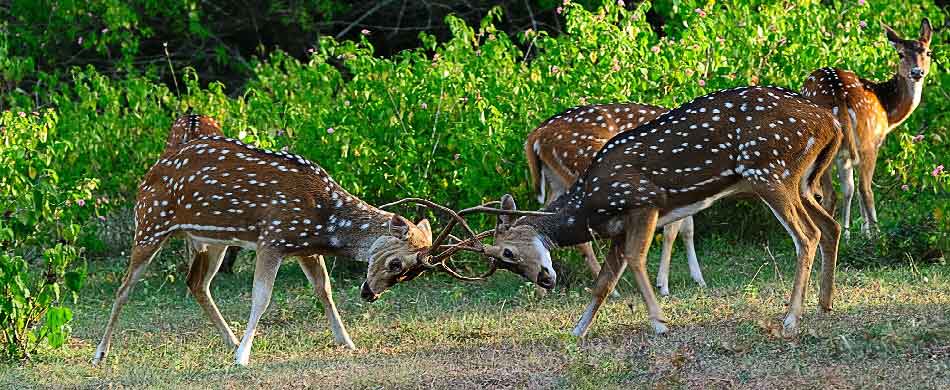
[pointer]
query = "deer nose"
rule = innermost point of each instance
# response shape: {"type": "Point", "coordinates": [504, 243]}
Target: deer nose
{"type": "Point", "coordinates": [917, 73]}
{"type": "Point", "coordinates": [544, 279]}
{"type": "Point", "coordinates": [367, 293]}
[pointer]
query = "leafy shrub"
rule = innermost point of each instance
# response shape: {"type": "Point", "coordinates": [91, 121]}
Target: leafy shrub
{"type": "Point", "coordinates": [40, 213]}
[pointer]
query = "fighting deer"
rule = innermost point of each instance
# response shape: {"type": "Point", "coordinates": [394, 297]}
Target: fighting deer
{"type": "Point", "coordinates": [763, 141]}
{"type": "Point", "coordinates": [220, 192]}
{"type": "Point", "coordinates": [561, 149]}
{"type": "Point", "coordinates": [868, 111]}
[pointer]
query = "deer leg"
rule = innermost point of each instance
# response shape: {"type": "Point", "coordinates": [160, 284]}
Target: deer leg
{"type": "Point", "coordinates": [204, 267]}
{"type": "Point", "coordinates": [316, 270]}
{"type": "Point", "coordinates": [264, 273]}
{"type": "Point", "coordinates": [606, 281]}
{"type": "Point", "coordinates": [663, 273]}
{"type": "Point", "coordinates": [789, 211]}
{"type": "Point", "coordinates": [866, 170]}
{"type": "Point", "coordinates": [139, 260]}
{"type": "Point", "coordinates": [828, 245]}
{"type": "Point", "coordinates": [639, 226]}
{"type": "Point", "coordinates": [587, 250]}
{"type": "Point", "coordinates": [590, 257]}
{"type": "Point", "coordinates": [846, 179]}
{"type": "Point", "coordinates": [694, 271]}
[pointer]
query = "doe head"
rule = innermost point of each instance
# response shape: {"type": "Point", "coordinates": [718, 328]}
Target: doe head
{"type": "Point", "coordinates": [914, 53]}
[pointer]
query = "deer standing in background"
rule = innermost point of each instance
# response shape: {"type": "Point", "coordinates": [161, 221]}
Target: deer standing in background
{"type": "Point", "coordinates": [220, 192]}
{"type": "Point", "coordinates": [561, 149]}
{"type": "Point", "coordinates": [764, 141]}
{"type": "Point", "coordinates": [868, 111]}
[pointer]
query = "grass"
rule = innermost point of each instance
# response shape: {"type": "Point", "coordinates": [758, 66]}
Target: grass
{"type": "Point", "coordinates": [890, 329]}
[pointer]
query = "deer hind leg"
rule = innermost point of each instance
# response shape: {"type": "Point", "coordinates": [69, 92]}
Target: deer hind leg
{"type": "Point", "coordinates": [606, 281]}
{"type": "Point", "coordinates": [204, 267]}
{"type": "Point", "coordinates": [695, 272]}
{"type": "Point", "coordinates": [846, 179]}
{"type": "Point", "coordinates": [788, 209]}
{"type": "Point", "coordinates": [265, 272]}
{"type": "Point", "coordinates": [669, 238]}
{"type": "Point", "coordinates": [828, 245]}
{"type": "Point", "coordinates": [316, 270]}
{"type": "Point", "coordinates": [639, 226]}
{"type": "Point", "coordinates": [866, 171]}
{"type": "Point", "coordinates": [141, 256]}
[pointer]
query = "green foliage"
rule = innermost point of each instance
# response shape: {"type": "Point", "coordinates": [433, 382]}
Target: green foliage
{"type": "Point", "coordinates": [40, 212]}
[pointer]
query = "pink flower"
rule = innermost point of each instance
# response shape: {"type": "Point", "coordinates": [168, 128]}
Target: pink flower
{"type": "Point", "coordinates": [917, 138]}
{"type": "Point", "coordinates": [861, 2]}
{"type": "Point", "coordinates": [82, 202]}
{"type": "Point", "coordinates": [700, 12]}
{"type": "Point", "coordinates": [937, 171]}
{"type": "Point", "coordinates": [456, 156]}
{"type": "Point", "coordinates": [905, 187]}
{"type": "Point", "coordinates": [863, 24]}
{"type": "Point", "coordinates": [621, 3]}
{"type": "Point", "coordinates": [702, 83]}
{"type": "Point", "coordinates": [79, 41]}
{"type": "Point", "coordinates": [559, 10]}
{"type": "Point", "coordinates": [656, 49]}
{"type": "Point", "coordinates": [310, 50]}
{"type": "Point", "coordinates": [102, 218]}
{"type": "Point", "coordinates": [616, 68]}
{"type": "Point", "coordinates": [424, 105]}
{"type": "Point", "coordinates": [364, 31]}
{"type": "Point", "coordinates": [330, 130]}
{"type": "Point", "coordinates": [22, 114]}
{"type": "Point", "coordinates": [555, 69]}
{"type": "Point", "coordinates": [721, 40]}
{"type": "Point", "coordinates": [105, 30]}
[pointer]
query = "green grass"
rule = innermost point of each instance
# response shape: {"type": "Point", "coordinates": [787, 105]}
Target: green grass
{"type": "Point", "coordinates": [890, 328]}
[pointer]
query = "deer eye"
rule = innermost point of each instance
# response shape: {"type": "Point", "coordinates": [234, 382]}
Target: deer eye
{"type": "Point", "coordinates": [507, 253]}
{"type": "Point", "coordinates": [395, 265]}
{"type": "Point", "coordinates": [930, 53]}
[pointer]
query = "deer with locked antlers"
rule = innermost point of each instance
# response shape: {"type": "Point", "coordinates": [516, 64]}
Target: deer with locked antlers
{"type": "Point", "coordinates": [218, 192]}
{"type": "Point", "coordinates": [764, 141]}
{"type": "Point", "coordinates": [561, 149]}
{"type": "Point", "coordinates": [868, 111]}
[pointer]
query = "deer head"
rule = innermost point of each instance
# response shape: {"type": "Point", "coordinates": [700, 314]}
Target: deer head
{"type": "Point", "coordinates": [521, 249]}
{"type": "Point", "coordinates": [396, 256]}
{"type": "Point", "coordinates": [914, 53]}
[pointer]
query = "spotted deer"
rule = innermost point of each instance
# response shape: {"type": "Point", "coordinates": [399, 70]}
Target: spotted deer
{"type": "Point", "coordinates": [219, 192]}
{"type": "Point", "coordinates": [561, 149]}
{"type": "Point", "coordinates": [868, 111]}
{"type": "Point", "coordinates": [764, 141]}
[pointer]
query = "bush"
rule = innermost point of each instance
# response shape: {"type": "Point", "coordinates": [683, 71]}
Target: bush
{"type": "Point", "coordinates": [41, 214]}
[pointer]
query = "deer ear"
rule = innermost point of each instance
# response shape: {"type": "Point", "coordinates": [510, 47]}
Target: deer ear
{"type": "Point", "coordinates": [426, 229]}
{"type": "Point", "coordinates": [399, 227]}
{"type": "Point", "coordinates": [507, 203]}
{"type": "Point", "coordinates": [926, 32]}
{"type": "Point", "coordinates": [892, 36]}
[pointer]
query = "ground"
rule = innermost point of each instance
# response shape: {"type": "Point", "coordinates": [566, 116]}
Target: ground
{"type": "Point", "coordinates": [890, 328]}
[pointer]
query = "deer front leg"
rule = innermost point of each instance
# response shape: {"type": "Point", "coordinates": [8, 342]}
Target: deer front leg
{"type": "Point", "coordinates": [846, 179]}
{"type": "Point", "coordinates": [264, 273]}
{"type": "Point", "coordinates": [663, 273]}
{"type": "Point", "coordinates": [695, 272]}
{"type": "Point", "coordinates": [866, 170]}
{"type": "Point", "coordinates": [606, 281]}
{"type": "Point", "coordinates": [204, 266]}
{"type": "Point", "coordinates": [316, 270]}
{"type": "Point", "coordinates": [639, 226]}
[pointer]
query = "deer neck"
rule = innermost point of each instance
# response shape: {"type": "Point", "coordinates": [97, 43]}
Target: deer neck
{"type": "Point", "coordinates": [354, 232]}
{"type": "Point", "coordinates": [567, 225]}
{"type": "Point", "coordinates": [900, 96]}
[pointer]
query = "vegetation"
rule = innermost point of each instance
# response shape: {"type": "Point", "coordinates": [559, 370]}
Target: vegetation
{"type": "Point", "coordinates": [445, 120]}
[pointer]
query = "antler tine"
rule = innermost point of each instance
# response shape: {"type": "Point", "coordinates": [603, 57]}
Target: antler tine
{"type": "Point", "coordinates": [490, 210]}
{"type": "Point", "coordinates": [456, 218]}
{"type": "Point", "coordinates": [441, 258]}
